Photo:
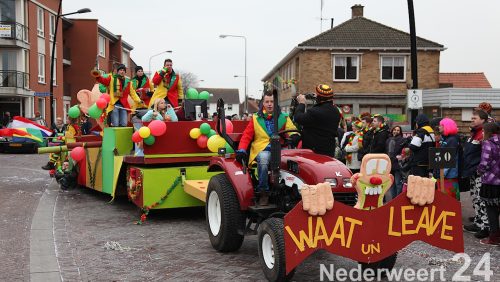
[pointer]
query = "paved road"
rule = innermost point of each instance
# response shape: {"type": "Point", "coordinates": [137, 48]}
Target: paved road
{"type": "Point", "coordinates": [98, 241]}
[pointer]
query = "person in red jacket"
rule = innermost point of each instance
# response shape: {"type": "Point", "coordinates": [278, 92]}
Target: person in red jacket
{"type": "Point", "coordinates": [168, 85]}
{"type": "Point", "coordinates": [142, 85]}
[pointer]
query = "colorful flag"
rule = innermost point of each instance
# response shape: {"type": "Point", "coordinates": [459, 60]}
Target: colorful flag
{"type": "Point", "coordinates": [22, 135]}
{"type": "Point", "coordinates": [20, 122]}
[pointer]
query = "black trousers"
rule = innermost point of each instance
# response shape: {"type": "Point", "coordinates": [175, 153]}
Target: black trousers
{"type": "Point", "coordinates": [493, 212]}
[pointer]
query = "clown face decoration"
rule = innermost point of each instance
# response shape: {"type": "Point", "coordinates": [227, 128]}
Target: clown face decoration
{"type": "Point", "coordinates": [373, 181]}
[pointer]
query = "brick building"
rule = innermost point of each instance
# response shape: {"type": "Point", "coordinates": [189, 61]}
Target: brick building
{"type": "Point", "coordinates": [26, 36]}
{"type": "Point", "coordinates": [366, 63]}
{"type": "Point", "coordinates": [27, 31]}
{"type": "Point", "coordinates": [85, 44]}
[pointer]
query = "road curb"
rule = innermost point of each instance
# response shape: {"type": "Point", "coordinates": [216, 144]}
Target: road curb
{"type": "Point", "coordinates": [43, 260]}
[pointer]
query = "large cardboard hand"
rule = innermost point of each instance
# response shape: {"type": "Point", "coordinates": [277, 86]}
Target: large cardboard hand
{"type": "Point", "coordinates": [420, 190]}
{"type": "Point", "coordinates": [87, 99]}
{"type": "Point", "coordinates": [317, 199]}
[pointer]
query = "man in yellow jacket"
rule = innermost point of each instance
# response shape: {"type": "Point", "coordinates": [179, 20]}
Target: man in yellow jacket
{"type": "Point", "coordinates": [258, 132]}
{"type": "Point", "coordinates": [168, 85]}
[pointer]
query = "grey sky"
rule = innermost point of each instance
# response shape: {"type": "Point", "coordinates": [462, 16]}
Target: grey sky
{"type": "Point", "coordinates": [191, 28]}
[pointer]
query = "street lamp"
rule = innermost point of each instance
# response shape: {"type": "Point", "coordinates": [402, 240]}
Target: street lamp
{"type": "Point", "coordinates": [149, 68]}
{"type": "Point", "coordinates": [52, 59]}
{"type": "Point", "coordinates": [245, 76]}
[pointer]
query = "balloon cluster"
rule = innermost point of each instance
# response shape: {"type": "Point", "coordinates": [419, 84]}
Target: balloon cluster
{"type": "Point", "coordinates": [206, 137]}
{"type": "Point", "coordinates": [148, 133]}
{"type": "Point", "coordinates": [95, 111]}
{"type": "Point", "coordinates": [192, 93]}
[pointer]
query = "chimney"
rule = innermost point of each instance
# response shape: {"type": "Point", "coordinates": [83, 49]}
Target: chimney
{"type": "Point", "coordinates": [357, 11]}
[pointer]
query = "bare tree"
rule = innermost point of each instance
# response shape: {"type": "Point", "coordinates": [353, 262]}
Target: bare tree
{"type": "Point", "coordinates": [189, 80]}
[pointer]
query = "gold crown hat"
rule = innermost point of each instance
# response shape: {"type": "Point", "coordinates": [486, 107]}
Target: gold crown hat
{"type": "Point", "coordinates": [324, 91]}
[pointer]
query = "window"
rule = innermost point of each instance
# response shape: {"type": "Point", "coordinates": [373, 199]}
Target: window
{"type": "Point", "coordinates": [41, 106]}
{"type": "Point", "coordinates": [393, 68]}
{"type": "Point", "coordinates": [229, 107]}
{"type": "Point", "coordinates": [55, 71]}
{"type": "Point", "coordinates": [346, 67]}
{"type": "Point", "coordinates": [52, 26]}
{"type": "Point", "coordinates": [125, 57]}
{"type": "Point", "coordinates": [40, 24]}
{"type": "Point", "coordinates": [41, 68]}
{"type": "Point", "coordinates": [102, 46]}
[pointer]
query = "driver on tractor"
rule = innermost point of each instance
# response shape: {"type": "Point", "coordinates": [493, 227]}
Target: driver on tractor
{"type": "Point", "coordinates": [258, 132]}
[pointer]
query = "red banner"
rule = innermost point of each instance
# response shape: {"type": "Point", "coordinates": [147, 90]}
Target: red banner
{"type": "Point", "coordinates": [370, 236]}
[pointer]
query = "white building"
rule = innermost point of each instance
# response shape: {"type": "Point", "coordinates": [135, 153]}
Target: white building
{"type": "Point", "coordinates": [231, 97]}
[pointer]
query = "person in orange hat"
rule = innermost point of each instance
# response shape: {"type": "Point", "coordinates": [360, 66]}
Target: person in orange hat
{"type": "Point", "coordinates": [320, 123]}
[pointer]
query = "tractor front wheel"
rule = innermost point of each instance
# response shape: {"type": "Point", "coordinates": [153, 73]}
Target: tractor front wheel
{"type": "Point", "coordinates": [272, 250]}
{"type": "Point", "coordinates": [225, 220]}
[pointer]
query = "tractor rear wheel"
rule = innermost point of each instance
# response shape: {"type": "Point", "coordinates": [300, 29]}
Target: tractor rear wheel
{"type": "Point", "coordinates": [225, 220]}
{"type": "Point", "coordinates": [272, 250]}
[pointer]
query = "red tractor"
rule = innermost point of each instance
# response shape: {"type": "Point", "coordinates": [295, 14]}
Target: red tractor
{"type": "Point", "coordinates": [231, 201]}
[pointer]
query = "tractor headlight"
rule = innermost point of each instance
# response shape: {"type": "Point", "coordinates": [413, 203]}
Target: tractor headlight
{"type": "Point", "coordinates": [347, 183]}
{"type": "Point", "coordinates": [332, 181]}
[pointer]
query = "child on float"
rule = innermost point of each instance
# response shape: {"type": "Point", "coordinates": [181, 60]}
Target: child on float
{"type": "Point", "coordinates": [162, 110]}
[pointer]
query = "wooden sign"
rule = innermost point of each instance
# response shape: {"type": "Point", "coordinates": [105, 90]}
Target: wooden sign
{"type": "Point", "coordinates": [442, 157]}
{"type": "Point", "coordinates": [370, 236]}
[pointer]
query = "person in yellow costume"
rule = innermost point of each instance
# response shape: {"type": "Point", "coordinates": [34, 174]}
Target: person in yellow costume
{"type": "Point", "coordinates": [168, 85]}
{"type": "Point", "coordinates": [120, 90]}
{"type": "Point", "coordinates": [258, 132]}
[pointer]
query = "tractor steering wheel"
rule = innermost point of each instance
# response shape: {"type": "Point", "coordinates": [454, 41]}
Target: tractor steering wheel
{"type": "Point", "coordinates": [287, 140]}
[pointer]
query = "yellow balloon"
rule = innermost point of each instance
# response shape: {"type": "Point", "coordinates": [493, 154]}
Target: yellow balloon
{"type": "Point", "coordinates": [195, 133]}
{"type": "Point", "coordinates": [215, 142]}
{"type": "Point", "coordinates": [144, 132]}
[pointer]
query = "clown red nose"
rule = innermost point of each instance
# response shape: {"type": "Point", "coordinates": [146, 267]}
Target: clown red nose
{"type": "Point", "coordinates": [375, 180]}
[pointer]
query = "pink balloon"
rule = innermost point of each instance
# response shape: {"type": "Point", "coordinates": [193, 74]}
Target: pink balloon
{"type": "Point", "coordinates": [202, 141]}
{"type": "Point", "coordinates": [157, 127]}
{"type": "Point", "coordinates": [101, 103]}
{"type": "Point", "coordinates": [229, 126]}
{"type": "Point", "coordinates": [106, 97]}
{"type": "Point", "coordinates": [77, 154]}
{"type": "Point", "coordinates": [136, 138]}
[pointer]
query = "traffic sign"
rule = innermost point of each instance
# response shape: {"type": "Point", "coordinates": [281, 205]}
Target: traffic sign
{"type": "Point", "coordinates": [415, 99]}
{"type": "Point", "coordinates": [442, 157]}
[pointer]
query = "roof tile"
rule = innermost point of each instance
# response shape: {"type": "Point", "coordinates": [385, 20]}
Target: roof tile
{"type": "Point", "coordinates": [464, 80]}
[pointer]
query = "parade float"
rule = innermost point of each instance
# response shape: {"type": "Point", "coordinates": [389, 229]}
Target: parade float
{"type": "Point", "coordinates": [191, 163]}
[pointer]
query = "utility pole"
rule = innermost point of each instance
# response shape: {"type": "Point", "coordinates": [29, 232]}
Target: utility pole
{"type": "Point", "coordinates": [414, 67]}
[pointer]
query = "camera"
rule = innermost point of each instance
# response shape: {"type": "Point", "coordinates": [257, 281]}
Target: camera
{"type": "Point", "coordinates": [294, 102]}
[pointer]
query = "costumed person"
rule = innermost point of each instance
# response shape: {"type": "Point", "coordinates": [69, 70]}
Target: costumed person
{"type": "Point", "coordinates": [470, 160]}
{"type": "Point", "coordinates": [142, 85]}
{"type": "Point", "coordinates": [119, 90]}
{"type": "Point", "coordinates": [489, 168]}
{"type": "Point", "coordinates": [168, 85]}
{"type": "Point", "coordinates": [366, 120]}
{"type": "Point", "coordinates": [320, 123]}
{"type": "Point", "coordinates": [420, 143]}
{"type": "Point", "coordinates": [58, 129]}
{"type": "Point", "coordinates": [449, 139]}
{"type": "Point", "coordinates": [352, 144]}
{"type": "Point", "coordinates": [257, 136]}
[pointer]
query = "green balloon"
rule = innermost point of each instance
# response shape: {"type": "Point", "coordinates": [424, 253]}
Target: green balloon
{"type": "Point", "coordinates": [102, 88]}
{"type": "Point", "coordinates": [229, 150]}
{"type": "Point", "coordinates": [205, 128]}
{"type": "Point", "coordinates": [74, 111]}
{"type": "Point", "coordinates": [211, 133]}
{"type": "Point", "coordinates": [204, 95]}
{"type": "Point", "coordinates": [192, 93]}
{"type": "Point", "coordinates": [94, 111]}
{"type": "Point", "coordinates": [150, 140]}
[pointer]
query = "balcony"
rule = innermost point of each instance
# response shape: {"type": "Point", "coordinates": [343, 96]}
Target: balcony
{"type": "Point", "coordinates": [13, 34]}
{"type": "Point", "coordinates": [15, 79]}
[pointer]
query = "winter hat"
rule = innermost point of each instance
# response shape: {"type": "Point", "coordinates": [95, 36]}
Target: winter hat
{"type": "Point", "coordinates": [422, 120]}
{"type": "Point", "coordinates": [324, 92]}
{"type": "Point", "coordinates": [121, 66]}
{"type": "Point", "coordinates": [138, 68]}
